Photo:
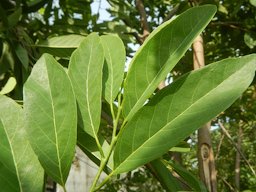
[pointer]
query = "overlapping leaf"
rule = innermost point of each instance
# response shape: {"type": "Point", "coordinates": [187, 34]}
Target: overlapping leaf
{"type": "Point", "coordinates": [173, 112]}
{"type": "Point", "coordinates": [85, 71]}
{"type": "Point", "coordinates": [188, 177]}
{"type": "Point", "coordinates": [159, 54]}
{"type": "Point", "coordinates": [113, 70]}
{"type": "Point", "coordinates": [164, 176]}
{"type": "Point", "coordinates": [51, 117]}
{"type": "Point", "coordinates": [20, 169]}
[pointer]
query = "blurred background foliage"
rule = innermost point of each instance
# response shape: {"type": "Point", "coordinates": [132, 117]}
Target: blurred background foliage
{"type": "Point", "coordinates": [30, 27]}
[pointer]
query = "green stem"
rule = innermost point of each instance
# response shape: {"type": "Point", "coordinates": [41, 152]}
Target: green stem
{"type": "Point", "coordinates": [64, 188]}
{"type": "Point", "coordinates": [104, 181]}
{"type": "Point", "coordinates": [102, 165]}
{"type": "Point", "coordinates": [97, 175]}
{"type": "Point", "coordinates": [99, 146]}
{"type": "Point", "coordinates": [104, 161]}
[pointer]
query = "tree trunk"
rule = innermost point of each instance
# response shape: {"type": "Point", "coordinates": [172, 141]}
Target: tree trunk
{"type": "Point", "coordinates": [238, 158]}
{"type": "Point", "coordinates": [205, 155]}
{"type": "Point", "coordinates": [206, 163]}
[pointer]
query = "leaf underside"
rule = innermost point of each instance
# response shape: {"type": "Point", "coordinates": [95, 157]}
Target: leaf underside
{"type": "Point", "coordinates": [181, 108]}
{"type": "Point", "coordinates": [160, 53]}
{"type": "Point", "coordinates": [85, 72]}
{"type": "Point", "coordinates": [51, 117]}
{"type": "Point", "coordinates": [113, 69]}
{"type": "Point", "coordinates": [20, 169]}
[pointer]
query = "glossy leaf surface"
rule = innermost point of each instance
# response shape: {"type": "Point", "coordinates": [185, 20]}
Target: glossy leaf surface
{"type": "Point", "coordinates": [20, 169]}
{"type": "Point", "coordinates": [173, 112]}
{"type": "Point", "coordinates": [51, 117]}
{"type": "Point", "coordinates": [113, 69]}
{"type": "Point", "coordinates": [85, 71]}
{"type": "Point", "coordinates": [160, 53]}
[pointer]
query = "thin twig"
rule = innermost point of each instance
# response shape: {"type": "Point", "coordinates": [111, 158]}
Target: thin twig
{"type": "Point", "coordinates": [233, 25]}
{"type": "Point", "coordinates": [137, 36]}
{"type": "Point", "coordinates": [219, 146]}
{"type": "Point", "coordinates": [171, 13]}
{"type": "Point", "coordinates": [143, 19]}
{"type": "Point", "coordinates": [227, 183]}
{"type": "Point", "coordinates": [236, 147]}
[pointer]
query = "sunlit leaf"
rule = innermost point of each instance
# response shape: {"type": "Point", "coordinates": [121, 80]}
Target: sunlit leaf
{"type": "Point", "coordinates": [9, 86]}
{"type": "Point", "coordinates": [253, 2]}
{"type": "Point", "coordinates": [20, 169]}
{"type": "Point", "coordinates": [160, 53]}
{"type": "Point", "coordinates": [222, 9]}
{"type": "Point", "coordinates": [85, 71]}
{"type": "Point", "coordinates": [173, 112]}
{"type": "Point", "coordinates": [51, 117]}
{"type": "Point", "coordinates": [113, 70]}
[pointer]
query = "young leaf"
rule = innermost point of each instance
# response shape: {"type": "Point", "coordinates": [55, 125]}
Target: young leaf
{"type": "Point", "coordinates": [85, 71]}
{"type": "Point", "coordinates": [159, 54]}
{"type": "Point", "coordinates": [51, 117]}
{"type": "Point", "coordinates": [113, 69]}
{"type": "Point", "coordinates": [173, 112]}
{"type": "Point", "coordinates": [20, 169]}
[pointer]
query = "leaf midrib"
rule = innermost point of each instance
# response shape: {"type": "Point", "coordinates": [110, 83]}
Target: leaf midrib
{"type": "Point", "coordinates": [159, 72]}
{"type": "Point", "coordinates": [55, 129]}
{"type": "Point", "coordinates": [87, 92]}
{"type": "Point", "coordinates": [14, 158]}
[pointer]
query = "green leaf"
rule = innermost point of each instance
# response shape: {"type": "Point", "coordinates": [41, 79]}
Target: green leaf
{"type": "Point", "coordinates": [61, 46]}
{"type": "Point", "coordinates": [20, 169]}
{"type": "Point", "coordinates": [188, 177]}
{"type": "Point", "coordinates": [159, 54]}
{"type": "Point", "coordinates": [253, 2]}
{"type": "Point", "coordinates": [164, 176]}
{"type": "Point", "coordinates": [9, 86]}
{"type": "Point", "coordinates": [14, 18]}
{"type": "Point", "coordinates": [113, 69]}
{"type": "Point", "coordinates": [182, 147]}
{"type": "Point", "coordinates": [85, 71]}
{"type": "Point", "coordinates": [179, 109]}
{"type": "Point", "coordinates": [22, 54]}
{"type": "Point", "coordinates": [222, 9]}
{"type": "Point", "coordinates": [51, 117]}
